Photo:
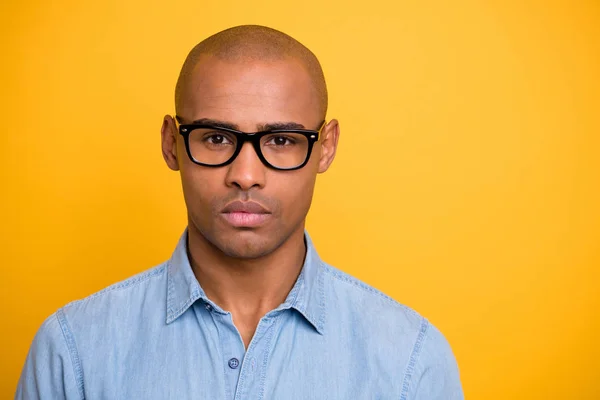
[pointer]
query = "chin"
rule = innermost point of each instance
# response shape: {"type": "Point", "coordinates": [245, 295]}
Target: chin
{"type": "Point", "coordinates": [246, 244]}
{"type": "Point", "coordinates": [243, 243]}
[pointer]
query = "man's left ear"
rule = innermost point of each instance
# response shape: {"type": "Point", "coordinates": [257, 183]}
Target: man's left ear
{"type": "Point", "coordinates": [329, 142]}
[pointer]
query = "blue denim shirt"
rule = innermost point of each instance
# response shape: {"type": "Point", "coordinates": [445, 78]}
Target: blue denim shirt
{"type": "Point", "coordinates": [157, 336]}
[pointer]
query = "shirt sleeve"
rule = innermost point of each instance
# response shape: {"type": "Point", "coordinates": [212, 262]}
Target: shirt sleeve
{"type": "Point", "coordinates": [49, 371]}
{"type": "Point", "coordinates": [435, 375]}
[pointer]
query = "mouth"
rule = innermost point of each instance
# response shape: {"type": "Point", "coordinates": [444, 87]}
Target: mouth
{"type": "Point", "coordinates": [245, 220]}
{"type": "Point", "coordinates": [245, 214]}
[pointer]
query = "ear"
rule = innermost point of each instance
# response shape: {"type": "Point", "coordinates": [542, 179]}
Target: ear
{"type": "Point", "coordinates": [329, 142]}
{"type": "Point", "coordinates": [169, 142]}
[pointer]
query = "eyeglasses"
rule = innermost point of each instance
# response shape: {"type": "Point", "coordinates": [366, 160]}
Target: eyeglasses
{"type": "Point", "coordinates": [217, 146]}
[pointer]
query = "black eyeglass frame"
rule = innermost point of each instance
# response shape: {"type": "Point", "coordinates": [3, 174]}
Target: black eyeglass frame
{"type": "Point", "coordinates": [242, 137]}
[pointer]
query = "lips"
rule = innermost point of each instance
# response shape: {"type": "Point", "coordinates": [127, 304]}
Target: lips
{"type": "Point", "coordinates": [245, 214]}
{"type": "Point", "coordinates": [245, 207]}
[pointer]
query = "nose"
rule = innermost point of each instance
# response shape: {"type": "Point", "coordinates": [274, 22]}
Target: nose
{"type": "Point", "coordinates": [246, 171]}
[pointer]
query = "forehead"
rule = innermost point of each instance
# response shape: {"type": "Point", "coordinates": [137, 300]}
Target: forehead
{"type": "Point", "coordinates": [250, 91]}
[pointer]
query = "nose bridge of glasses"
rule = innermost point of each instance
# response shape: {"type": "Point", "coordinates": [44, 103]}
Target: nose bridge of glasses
{"type": "Point", "coordinates": [249, 142]}
{"type": "Point", "coordinates": [247, 167]}
{"type": "Point", "coordinates": [252, 137]}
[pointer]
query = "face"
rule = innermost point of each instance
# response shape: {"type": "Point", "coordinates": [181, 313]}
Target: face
{"type": "Point", "coordinates": [246, 209]}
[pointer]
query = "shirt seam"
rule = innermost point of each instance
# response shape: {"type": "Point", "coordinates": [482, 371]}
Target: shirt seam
{"type": "Point", "coordinates": [321, 288]}
{"type": "Point", "coordinates": [127, 283]}
{"type": "Point", "coordinates": [222, 355]}
{"type": "Point", "coordinates": [73, 353]}
{"type": "Point", "coordinates": [343, 277]}
{"type": "Point", "coordinates": [414, 358]}
{"type": "Point", "coordinates": [267, 356]}
{"type": "Point", "coordinates": [299, 288]}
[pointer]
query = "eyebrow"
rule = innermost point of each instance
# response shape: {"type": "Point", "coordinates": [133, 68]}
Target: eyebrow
{"type": "Point", "coordinates": [281, 125]}
{"type": "Point", "coordinates": [214, 122]}
{"type": "Point", "coordinates": [261, 127]}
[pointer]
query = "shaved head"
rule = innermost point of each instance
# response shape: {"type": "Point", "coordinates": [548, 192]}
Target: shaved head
{"type": "Point", "coordinates": [254, 43]}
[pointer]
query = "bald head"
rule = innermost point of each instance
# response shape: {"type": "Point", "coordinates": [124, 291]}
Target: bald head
{"type": "Point", "coordinates": [254, 43]}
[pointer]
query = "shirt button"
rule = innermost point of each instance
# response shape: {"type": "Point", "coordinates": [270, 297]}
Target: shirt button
{"type": "Point", "coordinates": [208, 307]}
{"type": "Point", "coordinates": [234, 363]}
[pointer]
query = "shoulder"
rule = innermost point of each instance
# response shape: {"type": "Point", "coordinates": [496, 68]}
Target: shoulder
{"type": "Point", "coordinates": [55, 328]}
{"type": "Point", "coordinates": [50, 337]}
{"type": "Point", "coordinates": [388, 330]}
{"type": "Point", "coordinates": [353, 295]}
{"type": "Point", "coordinates": [373, 314]}
{"type": "Point", "coordinates": [115, 299]}
{"type": "Point", "coordinates": [125, 287]}
{"type": "Point", "coordinates": [54, 363]}
{"type": "Point", "coordinates": [51, 367]}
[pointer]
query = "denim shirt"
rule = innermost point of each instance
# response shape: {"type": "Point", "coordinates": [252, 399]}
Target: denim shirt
{"type": "Point", "coordinates": [158, 336]}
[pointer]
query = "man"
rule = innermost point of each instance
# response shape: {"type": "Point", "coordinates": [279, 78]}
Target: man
{"type": "Point", "coordinates": [244, 309]}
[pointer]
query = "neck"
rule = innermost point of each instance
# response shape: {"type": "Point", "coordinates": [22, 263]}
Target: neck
{"type": "Point", "coordinates": [250, 287]}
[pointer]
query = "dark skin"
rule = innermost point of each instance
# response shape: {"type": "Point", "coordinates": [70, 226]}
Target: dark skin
{"type": "Point", "coordinates": [248, 271]}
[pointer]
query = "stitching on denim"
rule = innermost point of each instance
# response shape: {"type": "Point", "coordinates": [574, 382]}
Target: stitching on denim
{"type": "Point", "coordinates": [173, 314]}
{"type": "Point", "coordinates": [344, 277]}
{"type": "Point", "coordinates": [221, 350]}
{"type": "Point", "coordinates": [151, 273]}
{"type": "Point", "coordinates": [295, 292]}
{"type": "Point", "coordinates": [300, 299]}
{"type": "Point", "coordinates": [302, 306]}
{"type": "Point", "coordinates": [72, 347]}
{"type": "Point", "coordinates": [322, 295]}
{"type": "Point", "coordinates": [268, 351]}
{"type": "Point", "coordinates": [251, 350]}
{"type": "Point", "coordinates": [170, 291]}
{"type": "Point", "coordinates": [414, 357]}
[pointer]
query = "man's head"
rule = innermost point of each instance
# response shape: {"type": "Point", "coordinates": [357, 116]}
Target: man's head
{"type": "Point", "coordinates": [249, 78]}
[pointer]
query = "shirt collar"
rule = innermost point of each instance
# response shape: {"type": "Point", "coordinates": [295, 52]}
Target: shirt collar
{"type": "Point", "coordinates": [307, 295]}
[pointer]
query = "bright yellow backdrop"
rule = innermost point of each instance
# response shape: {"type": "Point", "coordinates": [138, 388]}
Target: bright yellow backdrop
{"type": "Point", "coordinates": [466, 184]}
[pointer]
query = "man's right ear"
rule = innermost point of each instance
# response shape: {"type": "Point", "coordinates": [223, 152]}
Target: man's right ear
{"type": "Point", "coordinates": [169, 142]}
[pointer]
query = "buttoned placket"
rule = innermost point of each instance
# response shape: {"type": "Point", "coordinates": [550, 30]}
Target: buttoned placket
{"type": "Point", "coordinates": [244, 369]}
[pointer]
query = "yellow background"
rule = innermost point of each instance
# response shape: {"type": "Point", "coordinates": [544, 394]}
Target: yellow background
{"type": "Point", "coordinates": [466, 184]}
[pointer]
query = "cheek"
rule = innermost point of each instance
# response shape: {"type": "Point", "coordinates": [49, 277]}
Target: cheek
{"type": "Point", "coordinates": [198, 183]}
{"type": "Point", "coordinates": [200, 188]}
{"type": "Point", "coordinates": [296, 193]}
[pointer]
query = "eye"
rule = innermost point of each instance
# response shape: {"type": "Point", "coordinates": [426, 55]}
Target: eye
{"type": "Point", "coordinates": [217, 138]}
{"type": "Point", "coordinates": [280, 140]}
